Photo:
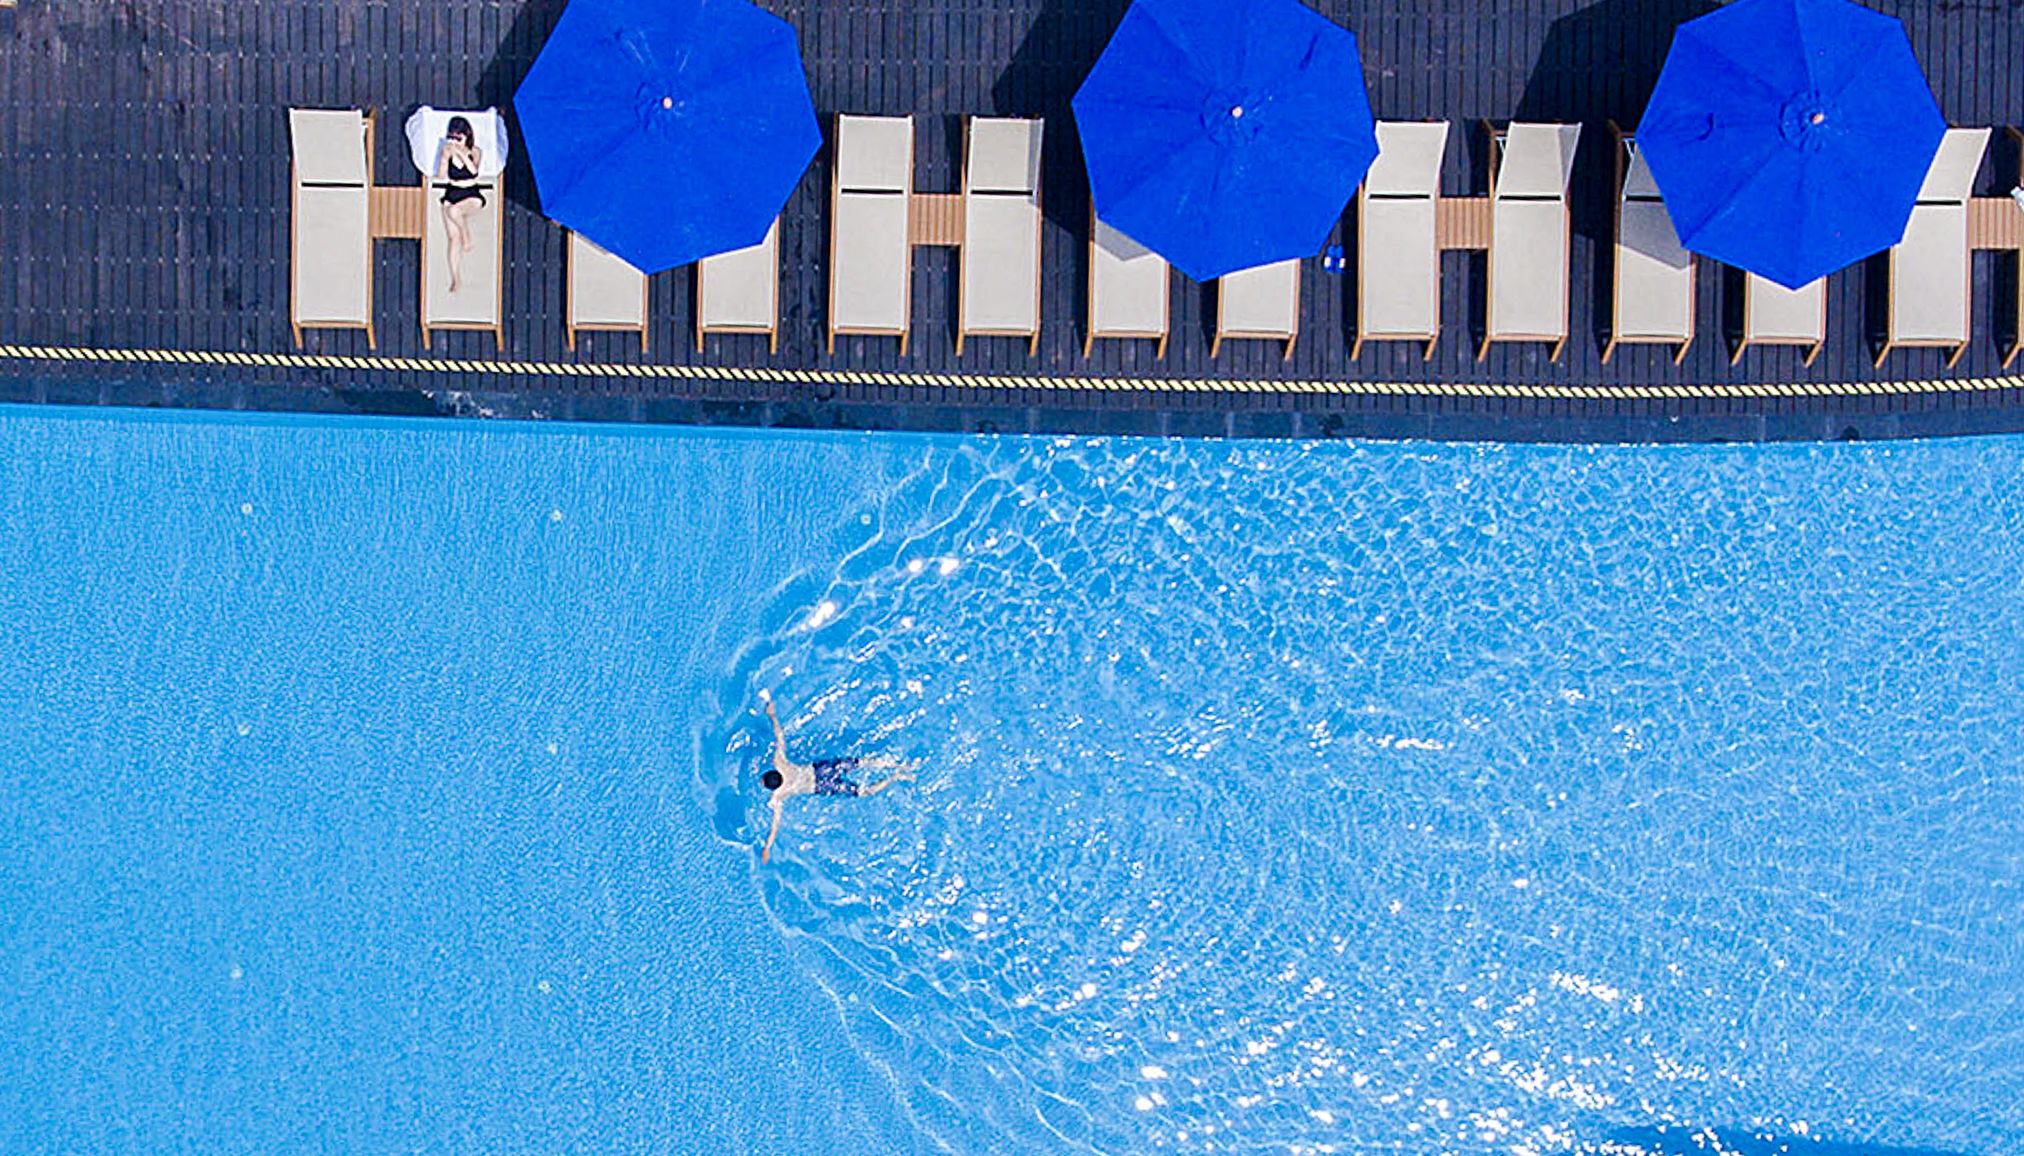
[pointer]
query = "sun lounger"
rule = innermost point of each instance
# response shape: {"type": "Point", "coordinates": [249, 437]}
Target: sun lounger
{"type": "Point", "coordinates": [739, 291]}
{"type": "Point", "coordinates": [999, 295]}
{"type": "Point", "coordinates": [479, 301]}
{"type": "Point", "coordinates": [1530, 165]}
{"type": "Point", "coordinates": [1775, 315]}
{"type": "Point", "coordinates": [870, 257]}
{"type": "Point", "coordinates": [1652, 297]}
{"type": "Point", "coordinates": [1929, 283]}
{"type": "Point", "coordinates": [1398, 258]}
{"type": "Point", "coordinates": [329, 235]}
{"type": "Point", "coordinates": [604, 293]}
{"type": "Point", "coordinates": [1129, 290]}
{"type": "Point", "coordinates": [1261, 303]}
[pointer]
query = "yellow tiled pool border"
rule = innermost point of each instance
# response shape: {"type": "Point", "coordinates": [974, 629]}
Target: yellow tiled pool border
{"type": "Point", "coordinates": [834, 377]}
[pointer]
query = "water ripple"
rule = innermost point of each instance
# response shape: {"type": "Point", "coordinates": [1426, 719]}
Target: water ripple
{"type": "Point", "coordinates": [1366, 798]}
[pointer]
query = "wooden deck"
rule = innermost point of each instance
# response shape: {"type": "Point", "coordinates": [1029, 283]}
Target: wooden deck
{"type": "Point", "coordinates": [145, 207]}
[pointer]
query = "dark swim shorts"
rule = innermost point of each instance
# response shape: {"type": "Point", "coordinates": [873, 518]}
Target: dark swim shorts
{"type": "Point", "coordinates": [832, 776]}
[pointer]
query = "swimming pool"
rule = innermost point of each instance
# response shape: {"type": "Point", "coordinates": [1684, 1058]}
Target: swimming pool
{"type": "Point", "coordinates": [390, 787]}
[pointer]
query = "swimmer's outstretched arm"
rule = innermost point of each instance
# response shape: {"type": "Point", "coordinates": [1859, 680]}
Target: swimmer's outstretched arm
{"type": "Point", "coordinates": [766, 854]}
{"type": "Point", "coordinates": [779, 736]}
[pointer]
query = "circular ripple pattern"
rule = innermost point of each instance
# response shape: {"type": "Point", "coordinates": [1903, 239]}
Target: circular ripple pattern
{"type": "Point", "coordinates": [1377, 799]}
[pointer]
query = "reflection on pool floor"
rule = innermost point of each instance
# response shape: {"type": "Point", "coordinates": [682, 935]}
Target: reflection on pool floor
{"type": "Point", "coordinates": [1378, 798]}
{"type": "Point", "coordinates": [388, 787]}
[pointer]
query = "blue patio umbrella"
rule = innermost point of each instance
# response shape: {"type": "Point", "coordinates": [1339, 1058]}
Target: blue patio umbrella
{"type": "Point", "coordinates": [667, 130]}
{"type": "Point", "coordinates": [1223, 134]}
{"type": "Point", "coordinates": [1790, 137]}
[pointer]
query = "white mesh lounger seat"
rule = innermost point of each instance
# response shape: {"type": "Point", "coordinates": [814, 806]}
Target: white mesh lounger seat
{"type": "Point", "coordinates": [1129, 290]}
{"type": "Point", "coordinates": [1652, 298]}
{"type": "Point", "coordinates": [1530, 165]}
{"type": "Point", "coordinates": [479, 302]}
{"type": "Point", "coordinates": [870, 257]}
{"type": "Point", "coordinates": [1398, 260]}
{"type": "Point", "coordinates": [329, 233]}
{"type": "Point", "coordinates": [739, 291]}
{"type": "Point", "coordinates": [1929, 282]}
{"type": "Point", "coordinates": [1775, 315]}
{"type": "Point", "coordinates": [605, 293]}
{"type": "Point", "coordinates": [1000, 291]}
{"type": "Point", "coordinates": [1259, 303]}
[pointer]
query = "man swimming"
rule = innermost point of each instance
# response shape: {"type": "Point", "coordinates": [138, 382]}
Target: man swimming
{"type": "Point", "coordinates": [821, 777]}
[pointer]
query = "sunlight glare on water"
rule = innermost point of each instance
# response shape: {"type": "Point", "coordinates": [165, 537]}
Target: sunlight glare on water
{"type": "Point", "coordinates": [1357, 799]}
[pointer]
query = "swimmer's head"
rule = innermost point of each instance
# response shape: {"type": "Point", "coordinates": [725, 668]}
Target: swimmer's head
{"type": "Point", "coordinates": [771, 779]}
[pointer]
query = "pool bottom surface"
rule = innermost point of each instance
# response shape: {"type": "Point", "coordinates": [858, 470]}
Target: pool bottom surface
{"type": "Point", "coordinates": [391, 787]}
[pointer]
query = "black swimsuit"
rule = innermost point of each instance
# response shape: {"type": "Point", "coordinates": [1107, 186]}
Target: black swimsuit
{"type": "Point", "coordinates": [454, 195]}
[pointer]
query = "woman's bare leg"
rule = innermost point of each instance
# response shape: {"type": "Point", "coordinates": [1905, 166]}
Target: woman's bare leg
{"type": "Point", "coordinates": [464, 211]}
{"type": "Point", "coordinates": [456, 239]}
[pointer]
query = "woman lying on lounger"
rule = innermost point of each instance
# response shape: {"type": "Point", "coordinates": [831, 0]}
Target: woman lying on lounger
{"type": "Point", "coordinates": [457, 171]}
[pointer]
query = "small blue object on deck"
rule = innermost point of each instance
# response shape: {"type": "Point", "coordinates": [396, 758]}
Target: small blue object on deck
{"type": "Point", "coordinates": [1225, 134]}
{"type": "Point", "coordinates": [667, 131]}
{"type": "Point", "coordinates": [1790, 137]}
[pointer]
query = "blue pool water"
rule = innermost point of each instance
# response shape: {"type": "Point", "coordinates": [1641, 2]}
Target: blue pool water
{"type": "Point", "coordinates": [378, 787]}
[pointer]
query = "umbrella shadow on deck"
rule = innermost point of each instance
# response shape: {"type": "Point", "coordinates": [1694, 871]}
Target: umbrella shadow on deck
{"type": "Point", "coordinates": [1597, 65]}
{"type": "Point", "coordinates": [502, 78]}
{"type": "Point", "coordinates": [1054, 56]}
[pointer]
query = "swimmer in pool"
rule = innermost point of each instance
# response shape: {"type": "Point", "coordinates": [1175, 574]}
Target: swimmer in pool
{"type": "Point", "coordinates": [821, 777]}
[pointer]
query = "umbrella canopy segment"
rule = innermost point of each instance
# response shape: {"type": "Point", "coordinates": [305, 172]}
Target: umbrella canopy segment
{"type": "Point", "coordinates": [1225, 134]}
{"type": "Point", "coordinates": [1790, 136]}
{"type": "Point", "coordinates": [667, 131]}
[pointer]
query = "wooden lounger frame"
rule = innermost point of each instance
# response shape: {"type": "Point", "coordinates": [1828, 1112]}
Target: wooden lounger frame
{"type": "Point", "coordinates": [571, 326]}
{"type": "Point", "coordinates": [1996, 224]}
{"type": "Point", "coordinates": [1449, 233]}
{"type": "Point", "coordinates": [1091, 333]}
{"type": "Point", "coordinates": [496, 327]}
{"type": "Point", "coordinates": [963, 329]}
{"type": "Point", "coordinates": [1216, 342]}
{"type": "Point", "coordinates": [1744, 341]}
{"type": "Point", "coordinates": [906, 330]}
{"type": "Point", "coordinates": [1558, 341]}
{"type": "Point", "coordinates": [294, 210]}
{"type": "Point", "coordinates": [1621, 151]}
{"type": "Point", "coordinates": [1954, 348]}
{"type": "Point", "coordinates": [770, 332]}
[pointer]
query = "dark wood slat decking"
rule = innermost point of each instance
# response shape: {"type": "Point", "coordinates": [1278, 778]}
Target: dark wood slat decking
{"type": "Point", "coordinates": [144, 205]}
